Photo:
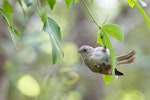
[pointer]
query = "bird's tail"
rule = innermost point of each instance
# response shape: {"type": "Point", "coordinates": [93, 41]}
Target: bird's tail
{"type": "Point", "coordinates": [126, 59]}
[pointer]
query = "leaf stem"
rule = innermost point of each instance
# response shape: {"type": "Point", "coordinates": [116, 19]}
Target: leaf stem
{"type": "Point", "coordinates": [142, 12]}
{"type": "Point", "coordinates": [90, 14]}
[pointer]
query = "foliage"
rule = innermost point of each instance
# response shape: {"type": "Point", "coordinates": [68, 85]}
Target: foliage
{"type": "Point", "coordinates": [52, 28]}
{"type": "Point", "coordinates": [6, 12]}
{"type": "Point", "coordinates": [133, 3]}
{"type": "Point", "coordinates": [51, 3]}
{"type": "Point", "coordinates": [116, 32]}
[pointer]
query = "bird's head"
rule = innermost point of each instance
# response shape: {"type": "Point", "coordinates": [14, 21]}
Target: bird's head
{"type": "Point", "coordinates": [85, 50]}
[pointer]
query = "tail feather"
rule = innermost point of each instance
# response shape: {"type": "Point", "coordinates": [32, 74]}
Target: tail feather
{"type": "Point", "coordinates": [126, 56]}
{"type": "Point", "coordinates": [128, 61]}
{"type": "Point", "coordinates": [118, 72]}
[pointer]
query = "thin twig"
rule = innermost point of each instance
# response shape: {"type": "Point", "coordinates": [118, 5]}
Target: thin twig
{"type": "Point", "coordinates": [90, 14]}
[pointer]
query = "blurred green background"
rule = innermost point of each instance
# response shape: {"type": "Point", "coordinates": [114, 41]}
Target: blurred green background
{"type": "Point", "coordinates": [27, 73]}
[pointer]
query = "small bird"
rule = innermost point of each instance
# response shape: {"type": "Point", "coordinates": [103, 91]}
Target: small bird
{"type": "Point", "coordinates": [98, 59]}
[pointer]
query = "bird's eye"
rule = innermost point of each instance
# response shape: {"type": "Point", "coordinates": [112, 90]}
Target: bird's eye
{"type": "Point", "coordinates": [84, 50]}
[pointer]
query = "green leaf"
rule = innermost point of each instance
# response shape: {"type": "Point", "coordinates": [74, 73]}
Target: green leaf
{"type": "Point", "coordinates": [41, 12]}
{"type": "Point", "coordinates": [51, 3]}
{"type": "Point", "coordinates": [59, 46]}
{"type": "Point", "coordinates": [99, 40]}
{"type": "Point", "coordinates": [68, 3]}
{"type": "Point", "coordinates": [131, 3]}
{"type": "Point", "coordinates": [112, 55]}
{"type": "Point", "coordinates": [44, 15]}
{"type": "Point", "coordinates": [114, 30]}
{"type": "Point", "coordinates": [7, 7]}
{"type": "Point", "coordinates": [6, 12]}
{"type": "Point", "coordinates": [107, 78]}
{"type": "Point", "coordinates": [53, 29]}
{"type": "Point", "coordinates": [54, 50]}
{"type": "Point", "coordinates": [75, 0]}
{"type": "Point", "coordinates": [20, 3]}
{"type": "Point", "coordinates": [142, 12]}
{"type": "Point", "coordinates": [92, 1]}
{"type": "Point", "coordinates": [16, 31]}
{"type": "Point", "coordinates": [28, 3]}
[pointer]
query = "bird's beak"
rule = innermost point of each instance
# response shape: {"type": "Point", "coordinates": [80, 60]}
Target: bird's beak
{"type": "Point", "coordinates": [79, 51]}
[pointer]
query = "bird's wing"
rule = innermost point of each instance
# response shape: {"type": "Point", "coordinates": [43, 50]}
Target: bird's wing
{"type": "Point", "coordinates": [98, 52]}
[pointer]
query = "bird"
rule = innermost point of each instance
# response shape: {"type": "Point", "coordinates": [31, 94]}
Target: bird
{"type": "Point", "coordinates": [98, 59]}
